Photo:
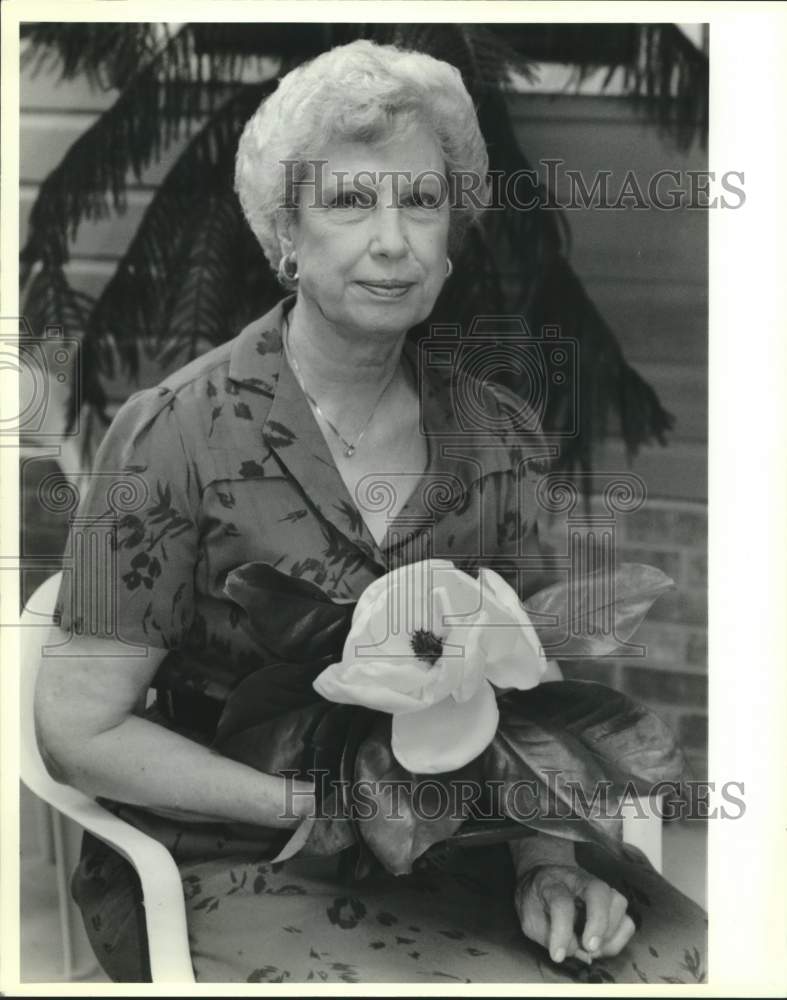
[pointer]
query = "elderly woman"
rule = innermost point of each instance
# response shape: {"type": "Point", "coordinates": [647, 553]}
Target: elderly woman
{"type": "Point", "coordinates": [263, 450]}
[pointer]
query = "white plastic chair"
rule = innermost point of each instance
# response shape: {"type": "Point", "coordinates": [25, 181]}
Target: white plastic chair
{"type": "Point", "coordinates": [165, 916]}
{"type": "Point", "coordinates": [165, 913]}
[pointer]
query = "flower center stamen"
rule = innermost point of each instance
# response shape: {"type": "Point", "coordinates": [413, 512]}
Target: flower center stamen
{"type": "Point", "coordinates": [426, 646]}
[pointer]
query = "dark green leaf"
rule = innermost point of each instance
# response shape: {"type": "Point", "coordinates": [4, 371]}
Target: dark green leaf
{"type": "Point", "coordinates": [268, 693]}
{"type": "Point", "coordinates": [331, 833]}
{"type": "Point", "coordinates": [272, 727]}
{"type": "Point", "coordinates": [176, 284]}
{"type": "Point", "coordinates": [290, 615]}
{"type": "Point", "coordinates": [188, 674]}
{"type": "Point", "coordinates": [540, 774]}
{"type": "Point", "coordinates": [629, 741]}
{"type": "Point", "coordinates": [597, 613]}
{"type": "Point", "coordinates": [570, 749]}
{"type": "Point", "coordinates": [273, 745]}
{"type": "Point", "coordinates": [397, 832]}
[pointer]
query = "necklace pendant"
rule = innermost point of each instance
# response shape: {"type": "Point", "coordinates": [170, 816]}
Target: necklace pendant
{"type": "Point", "coordinates": [350, 451]}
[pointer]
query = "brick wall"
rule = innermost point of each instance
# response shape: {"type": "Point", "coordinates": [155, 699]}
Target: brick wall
{"type": "Point", "coordinates": [672, 676]}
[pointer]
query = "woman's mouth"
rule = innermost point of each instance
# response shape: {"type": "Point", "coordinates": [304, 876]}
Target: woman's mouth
{"type": "Point", "coordinates": [387, 289]}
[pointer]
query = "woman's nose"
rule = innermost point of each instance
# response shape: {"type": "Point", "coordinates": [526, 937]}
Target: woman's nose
{"type": "Point", "coordinates": [388, 237]}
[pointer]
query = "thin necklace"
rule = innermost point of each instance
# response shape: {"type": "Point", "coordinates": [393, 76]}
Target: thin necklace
{"type": "Point", "coordinates": [350, 447]}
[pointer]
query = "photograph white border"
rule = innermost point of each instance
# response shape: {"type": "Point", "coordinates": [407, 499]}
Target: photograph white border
{"type": "Point", "coordinates": [747, 475]}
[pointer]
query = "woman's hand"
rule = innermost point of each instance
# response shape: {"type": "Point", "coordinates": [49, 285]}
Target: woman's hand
{"type": "Point", "coordinates": [547, 898]}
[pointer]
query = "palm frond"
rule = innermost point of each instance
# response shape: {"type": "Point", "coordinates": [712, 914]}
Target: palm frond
{"type": "Point", "coordinates": [108, 54]}
{"type": "Point", "coordinates": [663, 73]}
{"type": "Point", "coordinates": [604, 382]}
{"type": "Point", "coordinates": [482, 57]}
{"type": "Point", "coordinates": [134, 305]}
{"type": "Point", "coordinates": [52, 302]}
{"type": "Point", "coordinates": [203, 305]}
{"type": "Point", "coordinates": [671, 80]}
{"type": "Point", "coordinates": [171, 92]}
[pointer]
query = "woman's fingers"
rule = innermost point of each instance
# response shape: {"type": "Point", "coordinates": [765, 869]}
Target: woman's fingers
{"type": "Point", "coordinates": [617, 911]}
{"type": "Point", "coordinates": [618, 941]}
{"type": "Point", "coordinates": [597, 903]}
{"type": "Point", "coordinates": [550, 917]}
{"type": "Point", "coordinates": [560, 908]}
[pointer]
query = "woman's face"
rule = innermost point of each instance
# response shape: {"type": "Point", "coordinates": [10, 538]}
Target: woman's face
{"type": "Point", "coordinates": [371, 235]}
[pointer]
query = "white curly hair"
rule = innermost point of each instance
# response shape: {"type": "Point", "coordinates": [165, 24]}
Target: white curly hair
{"type": "Point", "coordinates": [361, 92]}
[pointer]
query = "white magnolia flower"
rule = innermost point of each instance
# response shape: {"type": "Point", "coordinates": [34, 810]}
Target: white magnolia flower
{"type": "Point", "coordinates": [427, 643]}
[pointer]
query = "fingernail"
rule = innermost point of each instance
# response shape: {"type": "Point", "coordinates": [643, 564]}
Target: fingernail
{"type": "Point", "coordinates": [560, 954]}
{"type": "Point", "coordinates": [593, 944]}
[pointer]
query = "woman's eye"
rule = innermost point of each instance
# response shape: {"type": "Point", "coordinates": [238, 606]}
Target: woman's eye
{"type": "Point", "coordinates": [421, 199]}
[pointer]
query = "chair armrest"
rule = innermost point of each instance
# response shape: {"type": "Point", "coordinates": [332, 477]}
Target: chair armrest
{"type": "Point", "coordinates": [162, 890]}
{"type": "Point", "coordinates": [642, 828]}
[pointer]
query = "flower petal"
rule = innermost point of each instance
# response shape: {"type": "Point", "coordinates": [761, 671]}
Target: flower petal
{"type": "Point", "coordinates": [514, 656]}
{"type": "Point", "coordinates": [467, 670]}
{"type": "Point", "coordinates": [516, 666]}
{"type": "Point", "coordinates": [447, 735]}
{"type": "Point", "coordinates": [385, 685]}
{"type": "Point", "coordinates": [412, 576]}
{"type": "Point", "coordinates": [496, 591]}
{"type": "Point", "coordinates": [371, 634]}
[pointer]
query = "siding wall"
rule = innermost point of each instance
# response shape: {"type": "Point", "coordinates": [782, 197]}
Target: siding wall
{"type": "Point", "coordinates": [646, 271]}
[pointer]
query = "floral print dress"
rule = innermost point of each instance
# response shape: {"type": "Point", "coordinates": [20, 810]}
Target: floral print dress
{"type": "Point", "coordinates": [224, 464]}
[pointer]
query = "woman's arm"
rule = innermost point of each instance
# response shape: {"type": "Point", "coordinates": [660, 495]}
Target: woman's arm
{"type": "Point", "coordinates": [90, 738]}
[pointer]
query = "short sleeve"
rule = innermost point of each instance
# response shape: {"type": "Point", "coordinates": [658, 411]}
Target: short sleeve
{"type": "Point", "coordinates": [128, 567]}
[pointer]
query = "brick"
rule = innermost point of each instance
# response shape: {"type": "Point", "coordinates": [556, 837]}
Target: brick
{"type": "Point", "coordinates": [681, 606]}
{"type": "Point", "coordinates": [693, 732]}
{"type": "Point", "coordinates": [600, 670]}
{"type": "Point", "coordinates": [697, 649]}
{"type": "Point", "coordinates": [697, 570]}
{"type": "Point", "coordinates": [663, 642]}
{"type": "Point", "coordinates": [676, 688]}
{"type": "Point", "coordinates": [659, 667]}
{"type": "Point", "coordinates": [667, 524]}
{"type": "Point", "coordinates": [698, 765]}
{"type": "Point", "coordinates": [648, 524]}
{"type": "Point", "coordinates": [690, 527]}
